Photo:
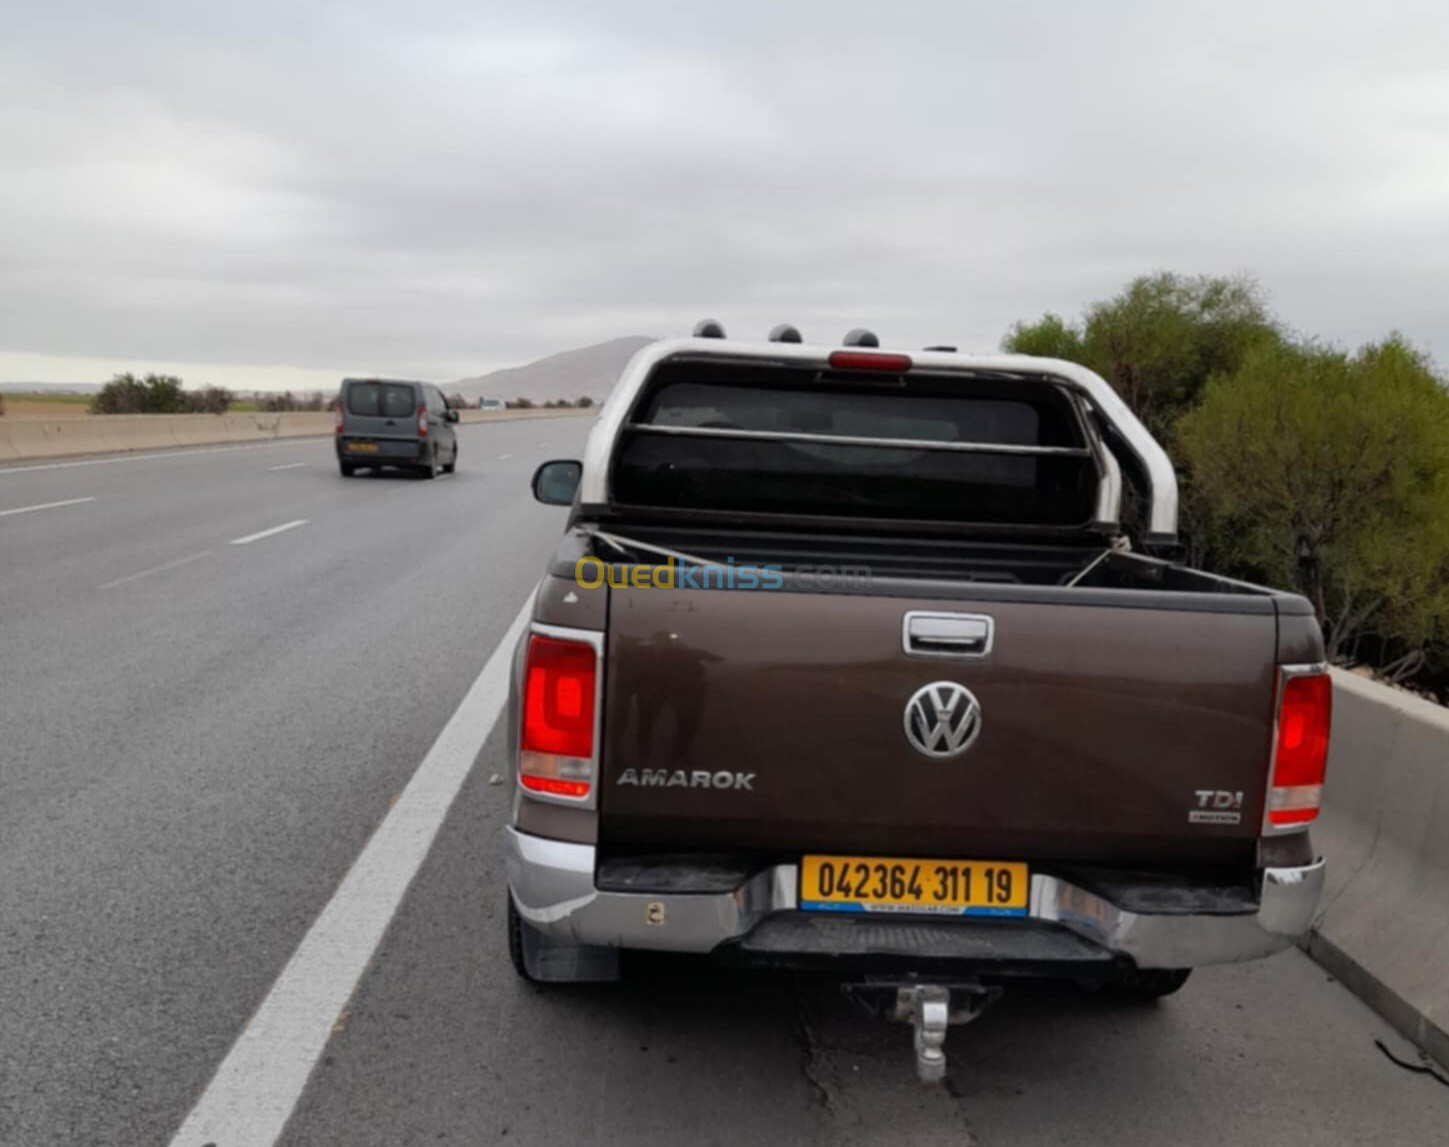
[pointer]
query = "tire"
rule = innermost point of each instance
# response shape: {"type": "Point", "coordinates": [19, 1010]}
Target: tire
{"type": "Point", "coordinates": [1146, 984]}
{"type": "Point", "coordinates": [346, 468]}
{"type": "Point", "coordinates": [452, 465]}
{"type": "Point", "coordinates": [431, 470]}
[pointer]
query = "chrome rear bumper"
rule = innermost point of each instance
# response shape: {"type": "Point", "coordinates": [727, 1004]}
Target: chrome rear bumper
{"type": "Point", "coordinates": [552, 883]}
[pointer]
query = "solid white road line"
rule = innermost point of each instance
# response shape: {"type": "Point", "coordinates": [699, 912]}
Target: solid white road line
{"type": "Point", "coordinates": [252, 1095]}
{"type": "Point", "coordinates": [186, 561]}
{"type": "Point", "coordinates": [283, 528]}
{"type": "Point", "coordinates": [44, 506]}
{"type": "Point", "coordinates": [149, 455]}
{"type": "Point", "coordinates": [287, 466]}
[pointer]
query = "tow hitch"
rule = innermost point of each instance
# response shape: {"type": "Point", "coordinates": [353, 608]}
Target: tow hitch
{"type": "Point", "coordinates": [930, 1009]}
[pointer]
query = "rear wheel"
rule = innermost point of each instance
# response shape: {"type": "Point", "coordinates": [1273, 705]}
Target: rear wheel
{"type": "Point", "coordinates": [430, 470]}
{"type": "Point", "coordinates": [1146, 984]}
{"type": "Point", "coordinates": [347, 469]}
{"type": "Point", "coordinates": [452, 462]}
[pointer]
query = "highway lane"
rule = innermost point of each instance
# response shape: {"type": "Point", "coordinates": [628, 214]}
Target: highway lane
{"type": "Point", "coordinates": [1273, 1052]}
{"type": "Point", "coordinates": [192, 760]}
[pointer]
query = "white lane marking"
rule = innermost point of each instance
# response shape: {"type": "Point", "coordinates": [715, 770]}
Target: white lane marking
{"type": "Point", "coordinates": [251, 1097]}
{"type": "Point", "coordinates": [149, 455]}
{"type": "Point", "coordinates": [504, 457]}
{"type": "Point", "coordinates": [186, 561]}
{"type": "Point", "coordinates": [260, 534]}
{"type": "Point", "coordinates": [44, 506]}
{"type": "Point", "coordinates": [287, 466]}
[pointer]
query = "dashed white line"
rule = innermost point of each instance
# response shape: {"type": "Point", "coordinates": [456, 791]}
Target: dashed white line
{"type": "Point", "coordinates": [252, 1095]}
{"type": "Point", "coordinates": [275, 530]}
{"type": "Point", "coordinates": [44, 506]}
{"type": "Point", "coordinates": [504, 457]}
{"type": "Point", "coordinates": [186, 561]}
{"type": "Point", "coordinates": [286, 466]}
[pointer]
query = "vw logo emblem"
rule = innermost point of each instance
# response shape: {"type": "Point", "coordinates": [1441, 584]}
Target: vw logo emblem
{"type": "Point", "coordinates": [942, 719]}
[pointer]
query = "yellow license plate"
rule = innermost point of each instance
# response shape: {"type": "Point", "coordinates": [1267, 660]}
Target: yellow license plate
{"type": "Point", "coordinates": [933, 887]}
{"type": "Point", "coordinates": [362, 447]}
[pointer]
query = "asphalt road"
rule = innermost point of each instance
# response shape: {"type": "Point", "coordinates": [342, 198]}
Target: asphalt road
{"type": "Point", "coordinates": [198, 739]}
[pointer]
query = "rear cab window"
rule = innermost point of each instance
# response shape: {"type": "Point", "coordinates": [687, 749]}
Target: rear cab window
{"type": "Point", "coordinates": [380, 399]}
{"type": "Point", "coordinates": [744, 439]}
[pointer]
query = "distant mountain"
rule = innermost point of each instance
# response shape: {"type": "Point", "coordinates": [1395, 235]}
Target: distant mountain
{"type": "Point", "coordinates": [590, 370]}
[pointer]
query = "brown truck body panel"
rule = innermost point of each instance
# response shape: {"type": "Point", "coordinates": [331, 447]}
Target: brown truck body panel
{"type": "Point", "coordinates": [1098, 728]}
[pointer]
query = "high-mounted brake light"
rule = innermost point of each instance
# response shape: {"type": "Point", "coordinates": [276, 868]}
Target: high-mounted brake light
{"type": "Point", "coordinates": [423, 420]}
{"type": "Point", "coordinates": [864, 360]}
{"type": "Point", "coordinates": [1300, 756]}
{"type": "Point", "coordinates": [556, 742]}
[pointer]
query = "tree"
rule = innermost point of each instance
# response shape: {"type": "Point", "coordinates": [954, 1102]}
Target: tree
{"type": "Point", "coordinates": [1330, 472]}
{"type": "Point", "coordinates": [521, 404]}
{"type": "Point", "coordinates": [1159, 340]}
{"type": "Point", "coordinates": [209, 400]}
{"type": "Point", "coordinates": [127, 394]}
{"type": "Point", "coordinates": [584, 403]}
{"type": "Point", "coordinates": [1048, 337]}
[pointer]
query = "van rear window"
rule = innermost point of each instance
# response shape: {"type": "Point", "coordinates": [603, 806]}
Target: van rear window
{"type": "Point", "coordinates": [380, 399]}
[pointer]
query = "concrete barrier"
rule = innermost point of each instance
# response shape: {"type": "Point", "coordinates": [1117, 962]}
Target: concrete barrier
{"type": "Point", "coordinates": [1383, 926]}
{"type": "Point", "coordinates": [471, 416]}
{"type": "Point", "coordinates": [24, 438]}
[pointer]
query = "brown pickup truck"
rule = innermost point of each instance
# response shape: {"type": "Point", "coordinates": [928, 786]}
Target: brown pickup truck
{"type": "Point", "coordinates": [881, 663]}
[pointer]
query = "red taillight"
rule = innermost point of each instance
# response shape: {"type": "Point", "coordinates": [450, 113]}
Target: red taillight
{"type": "Point", "coordinates": [555, 786]}
{"type": "Point", "coordinates": [423, 421]}
{"type": "Point", "coordinates": [1300, 758]}
{"type": "Point", "coordinates": [337, 411]}
{"type": "Point", "coordinates": [862, 360]}
{"type": "Point", "coordinates": [556, 742]}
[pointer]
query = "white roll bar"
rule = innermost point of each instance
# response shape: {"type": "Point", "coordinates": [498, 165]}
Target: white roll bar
{"type": "Point", "coordinates": [1155, 464]}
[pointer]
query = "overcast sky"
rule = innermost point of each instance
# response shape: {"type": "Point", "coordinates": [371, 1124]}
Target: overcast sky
{"type": "Point", "coordinates": [280, 192]}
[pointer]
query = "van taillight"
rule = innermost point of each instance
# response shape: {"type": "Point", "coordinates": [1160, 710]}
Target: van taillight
{"type": "Point", "coordinates": [556, 743]}
{"type": "Point", "coordinates": [423, 420]}
{"type": "Point", "coordinates": [1300, 757]}
{"type": "Point", "coordinates": [337, 411]}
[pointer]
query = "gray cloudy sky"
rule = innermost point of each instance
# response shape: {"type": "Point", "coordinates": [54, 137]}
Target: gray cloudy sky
{"type": "Point", "coordinates": [282, 191]}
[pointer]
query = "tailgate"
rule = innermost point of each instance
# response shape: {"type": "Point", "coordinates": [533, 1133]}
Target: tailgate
{"type": "Point", "coordinates": [778, 721]}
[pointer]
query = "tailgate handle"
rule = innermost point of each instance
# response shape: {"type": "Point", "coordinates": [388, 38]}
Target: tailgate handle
{"type": "Point", "coordinates": [926, 634]}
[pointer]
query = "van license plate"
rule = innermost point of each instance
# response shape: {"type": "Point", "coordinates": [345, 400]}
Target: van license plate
{"type": "Point", "coordinates": [932, 887]}
{"type": "Point", "coordinates": [362, 447]}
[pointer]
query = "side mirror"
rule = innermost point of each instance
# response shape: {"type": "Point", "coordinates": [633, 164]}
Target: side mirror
{"type": "Point", "coordinates": [451, 415]}
{"type": "Point", "coordinates": [555, 483]}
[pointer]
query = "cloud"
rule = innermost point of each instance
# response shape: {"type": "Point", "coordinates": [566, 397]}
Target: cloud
{"type": "Point", "coordinates": [441, 189]}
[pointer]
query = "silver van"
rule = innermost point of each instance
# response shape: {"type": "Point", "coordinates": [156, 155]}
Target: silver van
{"type": "Point", "coordinates": [384, 422]}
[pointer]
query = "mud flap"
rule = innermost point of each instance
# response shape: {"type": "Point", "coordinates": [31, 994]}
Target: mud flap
{"type": "Point", "coordinates": [543, 959]}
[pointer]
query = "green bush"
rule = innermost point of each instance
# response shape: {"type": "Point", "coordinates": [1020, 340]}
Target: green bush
{"type": "Point", "coordinates": [154, 394]}
{"type": "Point", "coordinates": [1302, 466]}
{"type": "Point", "coordinates": [1159, 340]}
{"type": "Point", "coordinates": [1329, 473]}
